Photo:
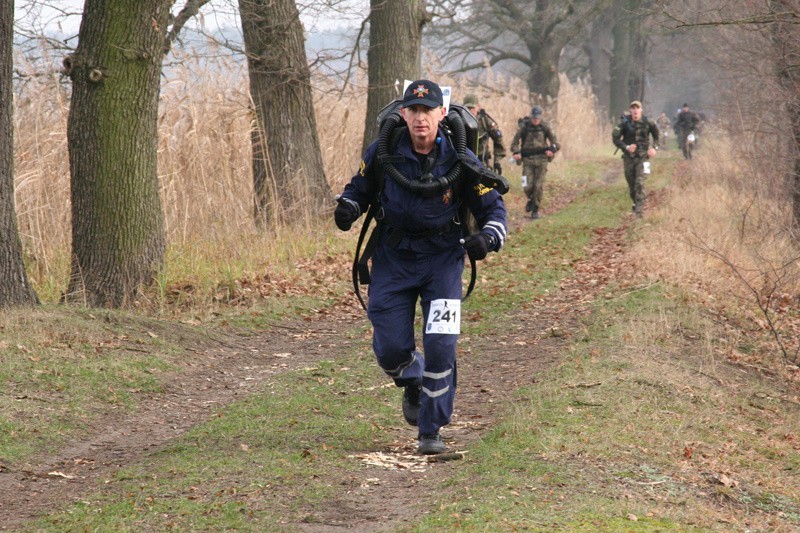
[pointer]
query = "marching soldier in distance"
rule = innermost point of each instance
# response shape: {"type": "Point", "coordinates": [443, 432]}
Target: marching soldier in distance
{"type": "Point", "coordinates": [534, 144]}
{"type": "Point", "coordinates": [488, 130]}
{"type": "Point", "coordinates": [687, 123]}
{"type": "Point", "coordinates": [632, 136]}
{"type": "Point", "coordinates": [664, 124]}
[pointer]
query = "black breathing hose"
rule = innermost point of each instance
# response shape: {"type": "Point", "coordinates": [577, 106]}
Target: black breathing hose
{"type": "Point", "coordinates": [431, 187]}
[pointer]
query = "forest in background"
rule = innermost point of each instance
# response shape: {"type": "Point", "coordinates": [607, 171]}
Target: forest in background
{"type": "Point", "coordinates": [615, 373]}
{"type": "Point", "coordinates": [734, 58]}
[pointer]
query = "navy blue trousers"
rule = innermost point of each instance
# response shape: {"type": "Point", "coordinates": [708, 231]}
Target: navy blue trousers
{"type": "Point", "coordinates": [399, 280]}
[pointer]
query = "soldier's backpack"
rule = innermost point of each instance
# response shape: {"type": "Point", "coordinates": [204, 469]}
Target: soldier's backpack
{"type": "Point", "coordinates": [461, 127]}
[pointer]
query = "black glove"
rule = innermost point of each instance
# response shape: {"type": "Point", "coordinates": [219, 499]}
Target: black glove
{"type": "Point", "coordinates": [498, 168]}
{"type": "Point", "coordinates": [478, 245]}
{"type": "Point", "coordinates": [346, 213]}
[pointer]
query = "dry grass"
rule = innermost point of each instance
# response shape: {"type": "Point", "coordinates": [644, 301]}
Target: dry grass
{"type": "Point", "coordinates": [204, 163]}
{"type": "Point", "coordinates": [724, 237]}
{"type": "Point", "coordinates": [579, 126]}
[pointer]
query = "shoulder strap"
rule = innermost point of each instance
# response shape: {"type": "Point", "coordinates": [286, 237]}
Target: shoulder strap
{"type": "Point", "coordinates": [526, 128]}
{"type": "Point", "coordinates": [360, 269]}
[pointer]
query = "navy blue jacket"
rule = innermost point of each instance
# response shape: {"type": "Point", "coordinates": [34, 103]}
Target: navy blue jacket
{"type": "Point", "coordinates": [415, 214]}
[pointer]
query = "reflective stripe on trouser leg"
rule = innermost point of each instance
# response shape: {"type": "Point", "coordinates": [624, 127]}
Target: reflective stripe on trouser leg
{"type": "Point", "coordinates": [439, 378]}
{"type": "Point", "coordinates": [392, 303]}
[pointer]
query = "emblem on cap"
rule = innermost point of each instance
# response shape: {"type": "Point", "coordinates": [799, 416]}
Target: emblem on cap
{"type": "Point", "coordinates": [420, 91]}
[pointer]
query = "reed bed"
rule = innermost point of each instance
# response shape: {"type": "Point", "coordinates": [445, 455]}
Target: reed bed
{"type": "Point", "coordinates": [205, 167]}
{"type": "Point", "coordinates": [726, 237]}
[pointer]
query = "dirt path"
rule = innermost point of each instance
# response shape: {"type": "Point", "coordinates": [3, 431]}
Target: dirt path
{"type": "Point", "coordinates": [217, 376]}
{"type": "Point", "coordinates": [489, 369]}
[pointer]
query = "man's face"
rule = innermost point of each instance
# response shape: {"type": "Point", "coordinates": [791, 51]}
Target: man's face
{"type": "Point", "coordinates": [422, 121]}
{"type": "Point", "coordinates": [636, 112]}
{"type": "Point", "coordinates": [685, 108]}
{"type": "Point", "coordinates": [474, 109]}
{"type": "Point", "coordinates": [536, 120]}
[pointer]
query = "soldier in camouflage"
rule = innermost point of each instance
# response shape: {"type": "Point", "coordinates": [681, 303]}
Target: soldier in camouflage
{"type": "Point", "coordinates": [535, 145]}
{"type": "Point", "coordinates": [664, 124]}
{"type": "Point", "coordinates": [687, 122]}
{"type": "Point", "coordinates": [632, 136]}
{"type": "Point", "coordinates": [487, 131]}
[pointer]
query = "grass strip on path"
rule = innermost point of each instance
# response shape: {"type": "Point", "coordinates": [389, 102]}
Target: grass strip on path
{"type": "Point", "coordinates": [271, 459]}
{"type": "Point", "coordinates": [642, 427]}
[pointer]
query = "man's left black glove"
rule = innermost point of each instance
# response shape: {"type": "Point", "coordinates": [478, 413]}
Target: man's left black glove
{"type": "Point", "coordinates": [346, 213]}
{"type": "Point", "coordinates": [498, 168]}
{"type": "Point", "coordinates": [478, 245]}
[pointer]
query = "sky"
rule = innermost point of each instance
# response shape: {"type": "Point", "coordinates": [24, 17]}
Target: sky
{"type": "Point", "coordinates": [63, 16]}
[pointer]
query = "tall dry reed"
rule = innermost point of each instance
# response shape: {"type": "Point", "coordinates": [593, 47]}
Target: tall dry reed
{"type": "Point", "coordinates": [579, 124]}
{"type": "Point", "coordinates": [719, 237]}
{"type": "Point", "coordinates": [204, 152]}
{"type": "Point", "coordinates": [41, 169]}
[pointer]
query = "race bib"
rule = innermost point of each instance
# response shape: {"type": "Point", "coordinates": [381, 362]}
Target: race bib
{"type": "Point", "coordinates": [524, 181]}
{"type": "Point", "coordinates": [444, 317]}
{"type": "Point", "coordinates": [646, 167]}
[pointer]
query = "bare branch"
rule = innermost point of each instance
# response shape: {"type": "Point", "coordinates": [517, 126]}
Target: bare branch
{"type": "Point", "coordinates": [190, 9]}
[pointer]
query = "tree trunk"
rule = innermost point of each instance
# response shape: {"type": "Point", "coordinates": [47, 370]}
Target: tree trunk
{"type": "Point", "coordinates": [621, 60]}
{"type": "Point", "coordinates": [14, 287]}
{"type": "Point", "coordinates": [786, 45]}
{"type": "Point", "coordinates": [794, 171]}
{"type": "Point", "coordinates": [395, 37]}
{"type": "Point", "coordinates": [638, 73]}
{"type": "Point", "coordinates": [599, 51]}
{"type": "Point", "coordinates": [543, 82]}
{"type": "Point", "coordinates": [118, 238]}
{"type": "Point", "coordinates": [288, 176]}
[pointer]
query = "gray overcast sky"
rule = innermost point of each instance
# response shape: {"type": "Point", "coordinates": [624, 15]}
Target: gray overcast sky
{"type": "Point", "coordinates": [63, 16]}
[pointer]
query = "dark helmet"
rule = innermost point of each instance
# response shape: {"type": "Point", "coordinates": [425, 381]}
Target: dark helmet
{"type": "Point", "coordinates": [536, 112]}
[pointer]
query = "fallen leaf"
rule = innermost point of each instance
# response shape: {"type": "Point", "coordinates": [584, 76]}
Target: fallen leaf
{"type": "Point", "coordinates": [60, 474]}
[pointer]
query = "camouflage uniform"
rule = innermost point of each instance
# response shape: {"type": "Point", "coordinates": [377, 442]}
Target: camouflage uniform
{"type": "Point", "coordinates": [487, 131]}
{"type": "Point", "coordinates": [686, 122]}
{"type": "Point", "coordinates": [664, 124]}
{"type": "Point", "coordinates": [530, 142]}
{"type": "Point", "coordinates": [629, 132]}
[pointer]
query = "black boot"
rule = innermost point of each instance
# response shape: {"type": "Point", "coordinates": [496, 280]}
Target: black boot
{"type": "Point", "coordinates": [431, 444]}
{"type": "Point", "coordinates": [411, 404]}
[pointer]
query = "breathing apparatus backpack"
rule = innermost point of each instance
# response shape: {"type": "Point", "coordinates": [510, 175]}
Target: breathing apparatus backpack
{"type": "Point", "coordinates": [461, 127]}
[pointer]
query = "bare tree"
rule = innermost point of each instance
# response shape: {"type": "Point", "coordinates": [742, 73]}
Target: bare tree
{"type": "Point", "coordinates": [14, 287]}
{"type": "Point", "coordinates": [785, 33]}
{"type": "Point", "coordinates": [531, 34]}
{"type": "Point", "coordinates": [760, 52]}
{"type": "Point", "coordinates": [288, 176]}
{"type": "Point", "coordinates": [625, 60]}
{"type": "Point", "coordinates": [754, 46]}
{"type": "Point", "coordinates": [390, 62]}
{"type": "Point", "coordinates": [598, 47]}
{"type": "Point", "coordinates": [118, 238]}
